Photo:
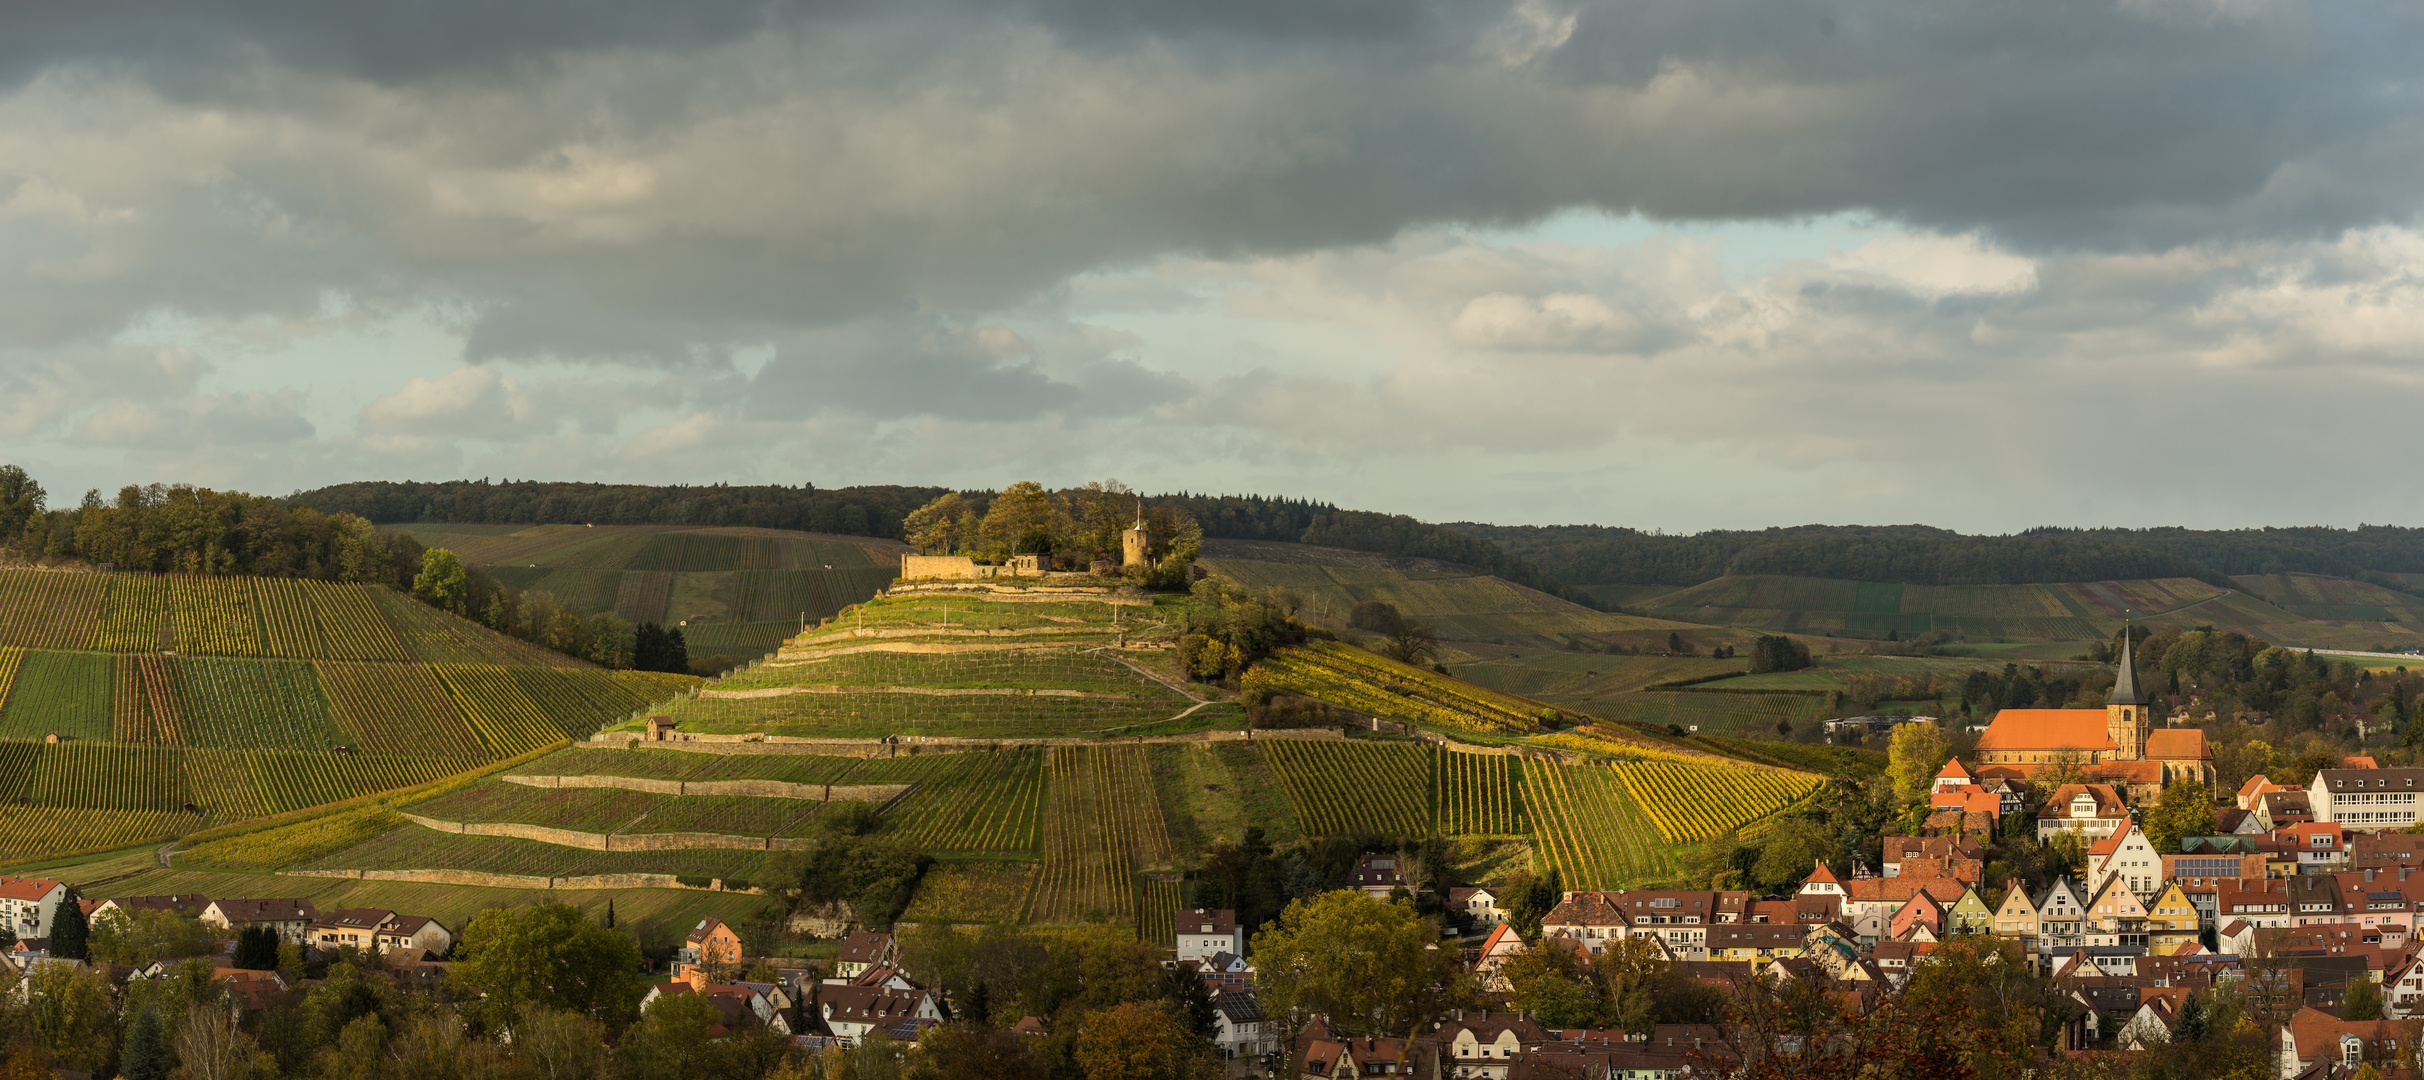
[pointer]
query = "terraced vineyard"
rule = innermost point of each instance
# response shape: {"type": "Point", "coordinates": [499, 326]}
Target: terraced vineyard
{"type": "Point", "coordinates": [411, 848]}
{"type": "Point", "coordinates": [1103, 825]}
{"type": "Point", "coordinates": [182, 701]}
{"type": "Point", "coordinates": [1156, 923]}
{"type": "Point", "coordinates": [986, 661]}
{"type": "Point", "coordinates": [973, 892]}
{"type": "Point", "coordinates": [974, 803]}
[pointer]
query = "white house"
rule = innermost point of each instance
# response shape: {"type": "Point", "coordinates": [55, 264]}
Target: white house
{"type": "Point", "coordinates": [1207, 932]}
{"type": "Point", "coordinates": [1478, 903]}
{"type": "Point", "coordinates": [852, 1011]}
{"type": "Point", "coordinates": [27, 904]}
{"type": "Point", "coordinates": [1240, 1028]}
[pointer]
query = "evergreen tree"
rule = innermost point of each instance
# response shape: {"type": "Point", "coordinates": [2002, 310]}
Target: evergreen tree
{"type": "Point", "coordinates": [610, 913]}
{"type": "Point", "coordinates": [146, 1054]}
{"type": "Point", "coordinates": [2192, 1019]}
{"type": "Point", "coordinates": [257, 949]}
{"type": "Point", "coordinates": [69, 930]}
{"type": "Point", "coordinates": [677, 652]}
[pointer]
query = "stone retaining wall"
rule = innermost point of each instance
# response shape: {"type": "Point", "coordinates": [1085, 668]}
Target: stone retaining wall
{"type": "Point", "coordinates": [518, 881]}
{"type": "Point", "coordinates": [793, 656]}
{"type": "Point", "coordinates": [676, 841]}
{"type": "Point", "coordinates": [763, 789]}
{"type": "Point", "coordinates": [923, 691]}
{"type": "Point", "coordinates": [540, 833]}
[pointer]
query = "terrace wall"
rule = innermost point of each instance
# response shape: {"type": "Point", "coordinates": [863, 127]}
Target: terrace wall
{"type": "Point", "coordinates": [764, 789]}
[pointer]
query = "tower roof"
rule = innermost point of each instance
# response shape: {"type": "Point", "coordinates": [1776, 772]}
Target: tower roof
{"type": "Point", "coordinates": [2125, 687]}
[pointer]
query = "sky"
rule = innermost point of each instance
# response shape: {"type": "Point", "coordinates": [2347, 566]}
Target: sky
{"type": "Point", "coordinates": [1670, 265]}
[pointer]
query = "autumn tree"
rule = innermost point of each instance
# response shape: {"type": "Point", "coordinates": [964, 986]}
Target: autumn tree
{"type": "Point", "coordinates": [1366, 965]}
{"type": "Point", "coordinates": [1918, 752]}
{"type": "Point", "coordinates": [1021, 521]}
{"type": "Point", "coordinates": [1135, 1041]}
{"type": "Point", "coordinates": [939, 527]}
{"type": "Point", "coordinates": [547, 955]}
{"type": "Point", "coordinates": [2185, 809]}
{"type": "Point", "coordinates": [443, 583]}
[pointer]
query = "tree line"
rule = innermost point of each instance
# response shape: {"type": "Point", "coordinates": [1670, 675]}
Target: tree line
{"type": "Point", "coordinates": [853, 511]}
{"type": "Point", "coordinates": [1908, 554]}
{"type": "Point", "coordinates": [881, 510]}
{"type": "Point", "coordinates": [181, 529]}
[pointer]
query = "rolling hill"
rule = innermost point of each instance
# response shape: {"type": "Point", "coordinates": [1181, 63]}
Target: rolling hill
{"type": "Point", "coordinates": [2325, 612]}
{"type": "Point", "coordinates": [138, 707]}
{"type": "Point", "coordinates": [1036, 738]}
{"type": "Point", "coordinates": [1460, 602]}
{"type": "Point", "coordinates": [734, 591]}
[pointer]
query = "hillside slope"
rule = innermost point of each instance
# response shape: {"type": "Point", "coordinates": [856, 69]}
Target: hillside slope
{"type": "Point", "coordinates": [137, 707]}
{"type": "Point", "coordinates": [1460, 602]}
{"type": "Point", "coordinates": [2333, 612]}
{"type": "Point", "coordinates": [735, 591]}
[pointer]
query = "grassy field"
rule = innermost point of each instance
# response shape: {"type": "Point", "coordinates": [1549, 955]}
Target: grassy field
{"type": "Point", "coordinates": [657, 916]}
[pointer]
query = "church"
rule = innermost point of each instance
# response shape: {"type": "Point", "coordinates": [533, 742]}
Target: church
{"type": "Point", "coordinates": [2117, 745]}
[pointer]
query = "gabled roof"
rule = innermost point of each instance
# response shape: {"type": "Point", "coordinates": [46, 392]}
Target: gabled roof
{"type": "Point", "coordinates": [17, 888]}
{"type": "Point", "coordinates": [2047, 730]}
{"type": "Point", "coordinates": [2256, 785]}
{"type": "Point", "coordinates": [2175, 743]}
{"type": "Point", "coordinates": [1952, 770]}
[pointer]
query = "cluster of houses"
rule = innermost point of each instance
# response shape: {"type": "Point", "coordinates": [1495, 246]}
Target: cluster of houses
{"type": "Point", "coordinates": [2301, 895]}
{"type": "Point", "coordinates": [409, 946]}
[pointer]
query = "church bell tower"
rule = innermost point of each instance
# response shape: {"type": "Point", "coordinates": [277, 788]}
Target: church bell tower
{"type": "Point", "coordinates": [2125, 717]}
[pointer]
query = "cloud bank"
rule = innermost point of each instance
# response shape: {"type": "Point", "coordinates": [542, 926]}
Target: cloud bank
{"type": "Point", "coordinates": [1985, 266]}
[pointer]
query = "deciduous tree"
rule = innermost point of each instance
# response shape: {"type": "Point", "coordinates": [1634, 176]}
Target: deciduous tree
{"type": "Point", "coordinates": [551, 956]}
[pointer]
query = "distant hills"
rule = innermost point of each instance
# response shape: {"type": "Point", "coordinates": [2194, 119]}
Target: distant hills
{"type": "Point", "coordinates": [1596, 555]}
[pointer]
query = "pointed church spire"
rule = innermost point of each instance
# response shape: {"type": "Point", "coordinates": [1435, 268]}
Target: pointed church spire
{"type": "Point", "coordinates": [2125, 686]}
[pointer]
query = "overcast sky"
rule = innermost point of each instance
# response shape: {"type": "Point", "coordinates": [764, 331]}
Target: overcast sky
{"type": "Point", "coordinates": [1706, 263]}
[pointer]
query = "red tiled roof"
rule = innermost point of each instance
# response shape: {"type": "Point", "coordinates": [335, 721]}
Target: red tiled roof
{"type": "Point", "coordinates": [2175, 743]}
{"type": "Point", "coordinates": [17, 888]}
{"type": "Point", "coordinates": [1953, 768]}
{"type": "Point", "coordinates": [2047, 730]}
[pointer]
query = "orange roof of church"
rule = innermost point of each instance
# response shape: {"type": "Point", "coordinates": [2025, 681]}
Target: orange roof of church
{"type": "Point", "coordinates": [2174, 743]}
{"type": "Point", "coordinates": [2048, 729]}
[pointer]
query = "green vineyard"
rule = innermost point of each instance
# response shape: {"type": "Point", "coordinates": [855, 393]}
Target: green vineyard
{"type": "Point", "coordinates": [1478, 794]}
{"type": "Point", "coordinates": [1103, 824]}
{"type": "Point", "coordinates": [144, 707]}
{"type": "Point", "coordinates": [1354, 789]}
{"type": "Point", "coordinates": [977, 803]}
